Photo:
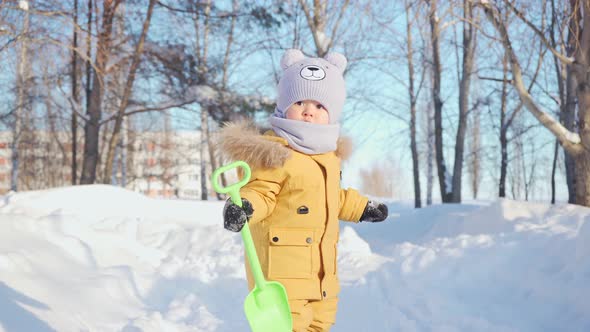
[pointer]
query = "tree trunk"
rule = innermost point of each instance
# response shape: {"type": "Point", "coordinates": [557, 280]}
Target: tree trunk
{"type": "Point", "coordinates": [123, 150]}
{"type": "Point", "coordinates": [92, 127]}
{"type": "Point", "coordinates": [529, 177]}
{"type": "Point", "coordinates": [230, 39]}
{"type": "Point", "coordinates": [203, 153]}
{"type": "Point", "coordinates": [503, 129]}
{"type": "Point", "coordinates": [553, 171]}
{"type": "Point", "coordinates": [430, 156]}
{"type": "Point", "coordinates": [415, 158]}
{"type": "Point", "coordinates": [89, 70]}
{"type": "Point", "coordinates": [475, 154]}
{"type": "Point", "coordinates": [89, 56]}
{"type": "Point", "coordinates": [569, 110]}
{"type": "Point", "coordinates": [569, 119]}
{"type": "Point", "coordinates": [580, 70]}
{"type": "Point", "coordinates": [203, 72]}
{"type": "Point", "coordinates": [560, 74]}
{"type": "Point", "coordinates": [582, 167]}
{"type": "Point", "coordinates": [76, 97]}
{"type": "Point", "coordinates": [565, 84]}
{"type": "Point", "coordinates": [22, 79]}
{"type": "Point", "coordinates": [444, 178]}
{"type": "Point", "coordinates": [212, 157]}
{"type": "Point", "coordinates": [412, 97]}
{"type": "Point", "coordinates": [468, 55]}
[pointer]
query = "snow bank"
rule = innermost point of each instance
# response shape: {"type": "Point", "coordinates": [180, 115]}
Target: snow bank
{"type": "Point", "coordinates": [100, 258]}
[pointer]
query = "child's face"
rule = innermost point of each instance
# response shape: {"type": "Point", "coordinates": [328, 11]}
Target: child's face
{"type": "Point", "coordinates": [308, 111]}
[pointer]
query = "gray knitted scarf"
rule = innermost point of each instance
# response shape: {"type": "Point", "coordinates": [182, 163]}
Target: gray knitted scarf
{"type": "Point", "coordinates": [305, 137]}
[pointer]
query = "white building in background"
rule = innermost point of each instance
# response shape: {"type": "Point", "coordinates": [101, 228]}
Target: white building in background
{"type": "Point", "coordinates": [166, 165]}
{"type": "Point", "coordinates": [157, 164]}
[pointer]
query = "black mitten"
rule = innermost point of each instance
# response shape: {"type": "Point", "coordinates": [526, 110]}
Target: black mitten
{"type": "Point", "coordinates": [374, 212]}
{"type": "Point", "coordinates": [234, 217]}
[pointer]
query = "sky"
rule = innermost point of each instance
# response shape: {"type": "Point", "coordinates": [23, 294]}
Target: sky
{"type": "Point", "coordinates": [101, 258]}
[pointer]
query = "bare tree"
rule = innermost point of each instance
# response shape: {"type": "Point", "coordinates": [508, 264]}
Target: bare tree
{"type": "Point", "coordinates": [119, 117]}
{"type": "Point", "coordinates": [451, 184]}
{"type": "Point", "coordinates": [88, 62]}
{"type": "Point", "coordinates": [430, 154]}
{"type": "Point", "coordinates": [213, 157]}
{"type": "Point", "coordinates": [469, 42]}
{"type": "Point", "coordinates": [526, 170]}
{"type": "Point", "coordinates": [202, 78]}
{"type": "Point", "coordinates": [576, 145]}
{"type": "Point", "coordinates": [565, 86]}
{"type": "Point", "coordinates": [507, 119]}
{"type": "Point", "coordinates": [22, 100]}
{"type": "Point", "coordinates": [554, 170]}
{"type": "Point", "coordinates": [92, 127]}
{"type": "Point", "coordinates": [504, 125]}
{"type": "Point", "coordinates": [474, 159]}
{"type": "Point", "coordinates": [516, 176]}
{"type": "Point", "coordinates": [317, 20]}
{"type": "Point", "coordinates": [413, 100]}
{"type": "Point", "coordinates": [75, 97]}
{"type": "Point", "coordinates": [444, 177]}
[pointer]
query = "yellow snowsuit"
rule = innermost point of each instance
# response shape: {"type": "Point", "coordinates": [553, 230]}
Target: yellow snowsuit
{"type": "Point", "coordinates": [297, 203]}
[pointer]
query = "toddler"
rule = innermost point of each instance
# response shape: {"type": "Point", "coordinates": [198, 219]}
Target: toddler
{"type": "Point", "coordinates": [293, 201]}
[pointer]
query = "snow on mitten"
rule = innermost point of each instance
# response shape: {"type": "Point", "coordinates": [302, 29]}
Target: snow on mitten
{"type": "Point", "coordinates": [234, 217]}
{"type": "Point", "coordinates": [374, 212]}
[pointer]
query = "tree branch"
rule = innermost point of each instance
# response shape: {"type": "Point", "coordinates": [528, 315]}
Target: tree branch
{"type": "Point", "coordinates": [569, 140]}
{"type": "Point", "coordinates": [485, 78]}
{"type": "Point", "coordinates": [539, 33]}
{"type": "Point", "coordinates": [335, 29]}
{"type": "Point", "coordinates": [75, 106]}
{"type": "Point", "coordinates": [148, 109]}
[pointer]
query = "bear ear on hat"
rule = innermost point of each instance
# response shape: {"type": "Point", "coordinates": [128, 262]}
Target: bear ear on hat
{"type": "Point", "coordinates": [290, 57]}
{"type": "Point", "coordinates": [337, 60]}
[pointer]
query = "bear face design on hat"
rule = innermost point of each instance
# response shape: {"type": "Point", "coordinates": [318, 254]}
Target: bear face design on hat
{"type": "Point", "coordinates": [319, 79]}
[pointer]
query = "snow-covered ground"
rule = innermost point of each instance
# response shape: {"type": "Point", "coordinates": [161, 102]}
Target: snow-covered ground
{"type": "Point", "coordinates": [100, 258]}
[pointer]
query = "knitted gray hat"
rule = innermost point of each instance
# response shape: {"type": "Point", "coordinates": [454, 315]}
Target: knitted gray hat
{"type": "Point", "coordinates": [312, 78]}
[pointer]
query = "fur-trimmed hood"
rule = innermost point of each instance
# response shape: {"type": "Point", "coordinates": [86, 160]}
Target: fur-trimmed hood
{"type": "Point", "coordinates": [243, 141]}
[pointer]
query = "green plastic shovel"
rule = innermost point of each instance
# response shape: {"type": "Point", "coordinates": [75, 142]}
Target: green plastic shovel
{"type": "Point", "coordinates": [267, 306]}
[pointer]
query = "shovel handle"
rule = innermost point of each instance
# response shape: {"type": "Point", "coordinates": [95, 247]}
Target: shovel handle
{"type": "Point", "coordinates": [234, 189]}
{"type": "Point", "coordinates": [234, 192]}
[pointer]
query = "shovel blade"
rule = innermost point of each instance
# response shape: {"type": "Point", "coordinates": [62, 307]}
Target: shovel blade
{"type": "Point", "coordinates": [267, 309]}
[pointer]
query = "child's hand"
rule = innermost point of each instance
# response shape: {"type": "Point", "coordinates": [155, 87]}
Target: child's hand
{"type": "Point", "coordinates": [234, 217]}
{"type": "Point", "coordinates": [374, 212]}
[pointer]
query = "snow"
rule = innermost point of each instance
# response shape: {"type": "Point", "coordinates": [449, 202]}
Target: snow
{"type": "Point", "coordinates": [24, 5]}
{"type": "Point", "coordinates": [101, 258]}
{"type": "Point", "coordinates": [203, 94]}
{"type": "Point", "coordinates": [572, 137]}
{"type": "Point", "coordinates": [207, 95]}
{"type": "Point", "coordinates": [544, 116]}
{"type": "Point", "coordinates": [323, 40]}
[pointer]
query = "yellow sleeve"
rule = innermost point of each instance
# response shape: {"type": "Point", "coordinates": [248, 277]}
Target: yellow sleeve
{"type": "Point", "coordinates": [262, 190]}
{"type": "Point", "coordinates": [352, 205]}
